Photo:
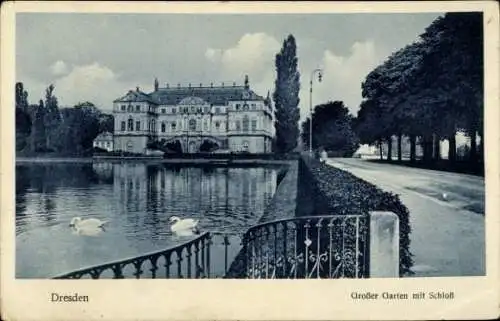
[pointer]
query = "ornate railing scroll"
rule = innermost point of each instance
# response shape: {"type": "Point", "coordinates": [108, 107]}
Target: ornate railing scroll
{"type": "Point", "coordinates": [187, 260]}
{"type": "Point", "coordinates": [308, 247]}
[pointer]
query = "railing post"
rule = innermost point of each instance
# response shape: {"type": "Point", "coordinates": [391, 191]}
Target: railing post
{"type": "Point", "coordinates": [384, 245]}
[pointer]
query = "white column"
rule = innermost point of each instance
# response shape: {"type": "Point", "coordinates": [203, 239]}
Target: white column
{"type": "Point", "coordinates": [384, 245]}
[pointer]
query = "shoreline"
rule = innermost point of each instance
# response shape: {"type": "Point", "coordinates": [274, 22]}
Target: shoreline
{"type": "Point", "coordinates": [156, 160]}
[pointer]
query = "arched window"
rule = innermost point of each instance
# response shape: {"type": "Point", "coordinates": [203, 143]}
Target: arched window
{"type": "Point", "coordinates": [192, 125]}
{"type": "Point", "coordinates": [246, 122]}
{"type": "Point", "coordinates": [163, 127]}
{"type": "Point", "coordinates": [124, 126]}
{"type": "Point", "coordinates": [130, 126]}
{"type": "Point", "coordinates": [153, 125]}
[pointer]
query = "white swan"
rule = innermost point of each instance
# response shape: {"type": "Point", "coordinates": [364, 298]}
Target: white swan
{"type": "Point", "coordinates": [185, 226]}
{"type": "Point", "coordinates": [90, 223]}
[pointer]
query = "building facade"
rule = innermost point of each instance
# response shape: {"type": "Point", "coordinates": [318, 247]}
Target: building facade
{"type": "Point", "coordinates": [193, 119]}
{"type": "Point", "coordinates": [105, 141]}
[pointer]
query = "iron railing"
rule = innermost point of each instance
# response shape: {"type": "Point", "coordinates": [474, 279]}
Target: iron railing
{"type": "Point", "coordinates": [308, 247]}
{"type": "Point", "coordinates": [335, 246]}
{"type": "Point", "coordinates": [188, 260]}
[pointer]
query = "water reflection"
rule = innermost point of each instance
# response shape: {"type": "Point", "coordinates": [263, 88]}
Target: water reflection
{"type": "Point", "coordinates": [136, 198]}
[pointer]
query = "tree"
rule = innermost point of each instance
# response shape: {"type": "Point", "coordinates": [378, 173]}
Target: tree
{"type": "Point", "coordinates": [208, 146]}
{"type": "Point", "coordinates": [106, 123]}
{"type": "Point", "coordinates": [38, 139]}
{"type": "Point", "coordinates": [286, 97]}
{"type": "Point", "coordinates": [174, 147]}
{"type": "Point", "coordinates": [332, 128]}
{"type": "Point", "coordinates": [23, 119]}
{"type": "Point", "coordinates": [429, 89]}
{"type": "Point", "coordinates": [87, 123]}
{"type": "Point", "coordinates": [455, 63]}
{"type": "Point", "coordinates": [79, 128]}
{"type": "Point", "coordinates": [368, 124]}
{"type": "Point", "coordinates": [52, 119]}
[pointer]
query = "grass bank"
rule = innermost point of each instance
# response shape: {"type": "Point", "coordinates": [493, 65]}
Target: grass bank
{"type": "Point", "coordinates": [326, 190]}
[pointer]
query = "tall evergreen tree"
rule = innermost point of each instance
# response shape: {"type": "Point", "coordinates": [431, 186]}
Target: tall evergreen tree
{"type": "Point", "coordinates": [286, 97]}
{"type": "Point", "coordinates": [38, 139]}
{"type": "Point", "coordinates": [23, 119]}
{"type": "Point", "coordinates": [52, 118]}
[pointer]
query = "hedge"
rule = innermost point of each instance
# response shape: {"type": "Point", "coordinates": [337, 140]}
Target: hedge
{"type": "Point", "coordinates": [335, 191]}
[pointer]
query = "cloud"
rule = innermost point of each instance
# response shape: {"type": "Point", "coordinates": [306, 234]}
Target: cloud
{"type": "Point", "coordinates": [253, 54]}
{"type": "Point", "coordinates": [343, 75]}
{"type": "Point", "coordinates": [87, 83]}
{"type": "Point", "coordinates": [92, 82]}
{"type": "Point", "coordinates": [59, 68]}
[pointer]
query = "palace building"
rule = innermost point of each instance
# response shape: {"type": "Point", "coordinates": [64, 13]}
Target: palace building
{"type": "Point", "coordinates": [194, 119]}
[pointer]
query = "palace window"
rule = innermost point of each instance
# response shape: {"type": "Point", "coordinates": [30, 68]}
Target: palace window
{"type": "Point", "coordinates": [245, 123]}
{"type": "Point", "coordinates": [163, 110]}
{"type": "Point", "coordinates": [237, 106]}
{"type": "Point", "coordinates": [238, 125]}
{"type": "Point", "coordinates": [245, 107]}
{"type": "Point", "coordinates": [129, 108]}
{"type": "Point", "coordinates": [123, 128]}
{"type": "Point", "coordinates": [153, 125]}
{"type": "Point", "coordinates": [192, 109]}
{"type": "Point", "coordinates": [173, 126]}
{"type": "Point", "coordinates": [130, 124]}
{"type": "Point", "coordinates": [254, 125]}
{"type": "Point", "coordinates": [217, 125]}
{"type": "Point", "coordinates": [217, 110]}
{"type": "Point", "coordinates": [173, 110]}
{"type": "Point", "coordinates": [163, 127]}
{"type": "Point", "coordinates": [245, 146]}
{"type": "Point", "coordinates": [138, 108]}
{"type": "Point", "coordinates": [192, 125]}
{"type": "Point", "coordinates": [207, 110]}
{"type": "Point", "coordinates": [137, 125]}
{"type": "Point", "coordinates": [254, 107]}
{"type": "Point", "coordinates": [124, 107]}
{"type": "Point", "coordinates": [206, 125]}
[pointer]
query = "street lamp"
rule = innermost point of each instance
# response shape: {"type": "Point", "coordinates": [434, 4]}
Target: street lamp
{"type": "Point", "coordinates": [320, 75]}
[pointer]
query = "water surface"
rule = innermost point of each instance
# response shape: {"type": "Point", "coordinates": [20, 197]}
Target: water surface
{"type": "Point", "coordinates": [136, 198]}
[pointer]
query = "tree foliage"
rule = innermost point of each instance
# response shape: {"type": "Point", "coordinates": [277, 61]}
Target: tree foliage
{"type": "Point", "coordinates": [23, 119]}
{"type": "Point", "coordinates": [286, 97]}
{"type": "Point", "coordinates": [332, 129]}
{"type": "Point", "coordinates": [49, 128]}
{"type": "Point", "coordinates": [429, 89]}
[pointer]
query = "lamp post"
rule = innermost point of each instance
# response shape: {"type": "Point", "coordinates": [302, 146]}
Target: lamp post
{"type": "Point", "coordinates": [320, 75]}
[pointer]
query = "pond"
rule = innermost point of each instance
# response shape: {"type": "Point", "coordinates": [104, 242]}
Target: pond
{"type": "Point", "coordinates": [137, 199]}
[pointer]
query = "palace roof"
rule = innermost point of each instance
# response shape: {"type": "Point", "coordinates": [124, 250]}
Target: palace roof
{"type": "Point", "coordinates": [213, 95]}
{"type": "Point", "coordinates": [104, 136]}
{"type": "Point", "coordinates": [135, 96]}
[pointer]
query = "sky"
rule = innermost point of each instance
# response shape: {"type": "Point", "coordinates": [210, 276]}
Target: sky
{"type": "Point", "coordinates": [99, 57]}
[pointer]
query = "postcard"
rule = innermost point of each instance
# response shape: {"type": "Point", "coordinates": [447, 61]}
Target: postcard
{"type": "Point", "coordinates": [249, 160]}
